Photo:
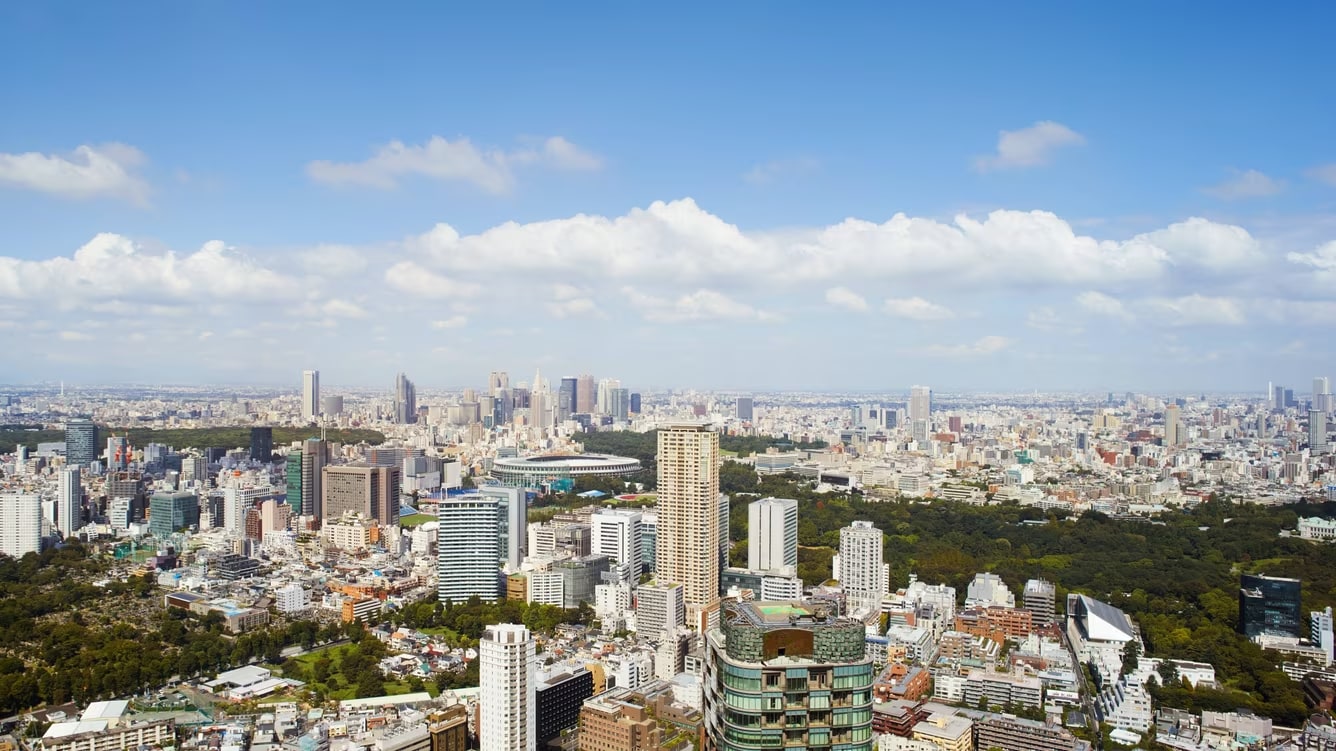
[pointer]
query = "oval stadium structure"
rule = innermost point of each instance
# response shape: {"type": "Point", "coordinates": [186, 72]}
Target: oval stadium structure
{"type": "Point", "coordinates": [533, 471]}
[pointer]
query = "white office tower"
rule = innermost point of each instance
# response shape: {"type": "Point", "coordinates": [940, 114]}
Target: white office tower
{"type": "Point", "coordinates": [237, 500]}
{"type": "Point", "coordinates": [69, 502]}
{"type": "Point", "coordinates": [687, 545]}
{"type": "Point", "coordinates": [988, 589]}
{"type": "Point", "coordinates": [20, 524]}
{"type": "Point", "coordinates": [772, 534]}
{"type": "Point", "coordinates": [469, 548]}
{"type": "Point", "coordinates": [310, 394]}
{"type": "Point", "coordinates": [1322, 394]}
{"type": "Point", "coordinates": [616, 534]}
{"type": "Point", "coordinates": [506, 706]}
{"type": "Point", "coordinates": [606, 389]}
{"type": "Point", "coordinates": [1317, 432]}
{"type": "Point", "coordinates": [20, 459]}
{"type": "Point", "coordinates": [514, 515]}
{"type": "Point", "coordinates": [612, 602]}
{"type": "Point", "coordinates": [863, 575]}
{"type": "Point", "coordinates": [920, 403]}
{"type": "Point", "coordinates": [1320, 632]}
{"type": "Point", "coordinates": [660, 610]}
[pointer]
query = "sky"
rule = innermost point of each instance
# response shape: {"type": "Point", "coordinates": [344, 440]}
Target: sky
{"type": "Point", "coordinates": [770, 196]}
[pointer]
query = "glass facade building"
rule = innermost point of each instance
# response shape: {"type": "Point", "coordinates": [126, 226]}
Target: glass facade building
{"type": "Point", "coordinates": [1269, 606]}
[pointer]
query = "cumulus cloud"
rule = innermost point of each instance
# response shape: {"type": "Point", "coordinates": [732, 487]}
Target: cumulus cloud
{"type": "Point", "coordinates": [1049, 320]}
{"type": "Point", "coordinates": [105, 171]}
{"type": "Point", "coordinates": [917, 309]}
{"type": "Point", "coordinates": [460, 160]}
{"type": "Point", "coordinates": [1204, 244]}
{"type": "Point", "coordinates": [701, 305]}
{"type": "Point", "coordinates": [333, 260]}
{"type": "Point", "coordinates": [1195, 310]}
{"type": "Point", "coordinates": [1322, 259]}
{"type": "Point", "coordinates": [842, 297]}
{"type": "Point", "coordinates": [983, 346]}
{"type": "Point", "coordinates": [1104, 305]}
{"type": "Point", "coordinates": [410, 278]}
{"type": "Point", "coordinates": [769, 172]}
{"type": "Point", "coordinates": [1029, 147]}
{"type": "Point", "coordinates": [1243, 184]}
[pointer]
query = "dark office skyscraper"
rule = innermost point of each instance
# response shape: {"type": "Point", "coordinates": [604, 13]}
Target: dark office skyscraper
{"type": "Point", "coordinates": [262, 444]}
{"type": "Point", "coordinates": [567, 398]}
{"type": "Point", "coordinates": [635, 403]}
{"type": "Point", "coordinates": [81, 446]}
{"type": "Point", "coordinates": [745, 409]}
{"type": "Point", "coordinates": [405, 400]}
{"type": "Point", "coordinates": [1270, 606]}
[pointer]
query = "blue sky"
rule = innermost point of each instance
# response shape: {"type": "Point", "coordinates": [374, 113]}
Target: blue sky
{"type": "Point", "coordinates": [1130, 197]}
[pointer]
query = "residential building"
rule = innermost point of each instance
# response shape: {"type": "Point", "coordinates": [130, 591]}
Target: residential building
{"type": "Point", "coordinates": [69, 502]}
{"type": "Point", "coordinates": [863, 574]}
{"type": "Point", "coordinates": [1007, 733]}
{"type": "Point", "coordinates": [772, 534]}
{"type": "Point", "coordinates": [20, 524]}
{"type": "Point", "coordinates": [507, 706]}
{"type": "Point", "coordinates": [949, 732]}
{"type": "Point", "coordinates": [1041, 600]}
{"type": "Point", "coordinates": [469, 548]}
{"type": "Point", "coordinates": [688, 511]}
{"type": "Point", "coordinates": [660, 610]}
{"type": "Point", "coordinates": [616, 534]}
{"type": "Point", "coordinates": [988, 589]}
{"type": "Point", "coordinates": [609, 722]}
{"type": "Point", "coordinates": [514, 517]}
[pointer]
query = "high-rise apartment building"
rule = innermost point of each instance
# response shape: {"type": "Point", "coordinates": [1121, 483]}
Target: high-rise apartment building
{"type": "Point", "coordinates": [745, 409]}
{"type": "Point", "coordinates": [81, 445]}
{"type": "Point", "coordinates": [372, 491]}
{"type": "Point", "coordinates": [405, 400]}
{"type": "Point", "coordinates": [310, 394]}
{"type": "Point", "coordinates": [1317, 431]}
{"type": "Point", "coordinates": [787, 674]}
{"type": "Point", "coordinates": [585, 394]}
{"type": "Point", "coordinates": [1322, 400]}
{"type": "Point", "coordinates": [1174, 434]}
{"type": "Point", "coordinates": [69, 502]}
{"type": "Point", "coordinates": [1041, 599]}
{"type": "Point", "coordinates": [616, 534]}
{"type": "Point", "coordinates": [506, 702]}
{"type": "Point", "coordinates": [469, 548]}
{"type": "Point", "coordinates": [1269, 606]}
{"type": "Point", "coordinates": [262, 444]}
{"type": "Point", "coordinates": [514, 522]}
{"type": "Point", "coordinates": [660, 610]}
{"type": "Point", "coordinates": [688, 510]}
{"type": "Point", "coordinates": [772, 534]}
{"type": "Point", "coordinates": [238, 500]}
{"type": "Point", "coordinates": [20, 524]}
{"type": "Point", "coordinates": [863, 575]}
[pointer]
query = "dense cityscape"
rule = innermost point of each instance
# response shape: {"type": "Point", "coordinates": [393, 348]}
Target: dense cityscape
{"type": "Point", "coordinates": [574, 564]}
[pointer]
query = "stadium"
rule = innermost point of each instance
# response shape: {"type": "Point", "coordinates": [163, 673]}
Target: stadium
{"type": "Point", "coordinates": [541, 471]}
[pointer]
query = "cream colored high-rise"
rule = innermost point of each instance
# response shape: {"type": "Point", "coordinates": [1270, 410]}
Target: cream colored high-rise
{"type": "Point", "coordinates": [688, 533]}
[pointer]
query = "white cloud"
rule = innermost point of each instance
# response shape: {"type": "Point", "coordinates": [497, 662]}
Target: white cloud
{"type": "Point", "coordinates": [101, 171]}
{"type": "Point", "coordinates": [333, 260]}
{"type": "Point", "coordinates": [1203, 243]}
{"type": "Point", "coordinates": [917, 309]}
{"type": "Point", "coordinates": [1104, 305]}
{"type": "Point", "coordinates": [1322, 259]}
{"type": "Point", "coordinates": [842, 297]}
{"type": "Point", "coordinates": [492, 170]}
{"type": "Point", "coordinates": [114, 268]}
{"type": "Point", "coordinates": [453, 322]}
{"type": "Point", "coordinates": [983, 346]}
{"type": "Point", "coordinates": [1325, 173]}
{"type": "Point", "coordinates": [1245, 184]}
{"type": "Point", "coordinates": [337, 308]}
{"type": "Point", "coordinates": [409, 277]}
{"type": "Point", "coordinates": [701, 305]}
{"type": "Point", "coordinates": [769, 172]}
{"type": "Point", "coordinates": [1049, 320]}
{"type": "Point", "coordinates": [75, 336]}
{"type": "Point", "coordinates": [1195, 310]}
{"type": "Point", "coordinates": [578, 306]}
{"type": "Point", "coordinates": [1029, 147]}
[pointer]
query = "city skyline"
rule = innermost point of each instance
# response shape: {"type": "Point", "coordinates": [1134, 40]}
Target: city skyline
{"type": "Point", "coordinates": [1005, 227]}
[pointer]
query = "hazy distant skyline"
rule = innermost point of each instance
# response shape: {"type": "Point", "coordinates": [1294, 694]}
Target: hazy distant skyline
{"type": "Point", "coordinates": [977, 198]}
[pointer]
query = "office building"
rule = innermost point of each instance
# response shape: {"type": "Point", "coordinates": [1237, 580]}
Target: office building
{"type": "Point", "coordinates": [506, 703]}
{"type": "Point", "coordinates": [69, 502]}
{"type": "Point", "coordinates": [585, 395]}
{"type": "Point", "coordinates": [558, 697]}
{"type": "Point", "coordinates": [611, 721]}
{"type": "Point", "coordinates": [81, 444]}
{"type": "Point", "coordinates": [745, 409]}
{"type": "Point", "coordinates": [772, 534]}
{"type": "Point", "coordinates": [310, 394]}
{"type": "Point", "coordinates": [118, 453]}
{"type": "Point", "coordinates": [405, 400]}
{"type": "Point", "coordinates": [305, 473]}
{"type": "Point", "coordinates": [635, 403]}
{"type": "Point", "coordinates": [469, 548]}
{"type": "Point", "coordinates": [1041, 599]}
{"type": "Point", "coordinates": [370, 491]}
{"type": "Point", "coordinates": [514, 521]}
{"type": "Point", "coordinates": [660, 610]}
{"type": "Point", "coordinates": [863, 575]}
{"type": "Point", "coordinates": [1320, 632]}
{"type": "Point", "coordinates": [1269, 606]}
{"type": "Point", "coordinates": [616, 534]}
{"type": "Point", "coordinates": [262, 444]}
{"type": "Point", "coordinates": [1174, 434]}
{"type": "Point", "coordinates": [1322, 400]}
{"type": "Point", "coordinates": [603, 397]}
{"type": "Point", "coordinates": [331, 406]}
{"type": "Point", "coordinates": [649, 539]}
{"type": "Point", "coordinates": [920, 403]}
{"type": "Point", "coordinates": [20, 524]}
{"type": "Point", "coordinates": [566, 401]}
{"type": "Point", "coordinates": [815, 663]}
{"type": "Point", "coordinates": [688, 509]}
{"type": "Point", "coordinates": [238, 500]}
{"type": "Point", "coordinates": [170, 512]}
{"type": "Point", "coordinates": [1317, 431]}
{"type": "Point", "coordinates": [620, 406]}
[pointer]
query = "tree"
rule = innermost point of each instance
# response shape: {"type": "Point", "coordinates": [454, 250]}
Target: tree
{"type": "Point", "coordinates": [1168, 672]}
{"type": "Point", "coordinates": [1130, 654]}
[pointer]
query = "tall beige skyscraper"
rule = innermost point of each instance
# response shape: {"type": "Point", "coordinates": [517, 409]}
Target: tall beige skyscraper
{"type": "Point", "coordinates": [584, 394]}
{"type": "Point", "coordinates": [688, 532]}
{"type": "Point", "coordinates": [1174, 434]}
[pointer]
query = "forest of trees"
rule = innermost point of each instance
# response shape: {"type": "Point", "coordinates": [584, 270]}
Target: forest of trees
{"type": "Point", "coordinates": [180, 438]}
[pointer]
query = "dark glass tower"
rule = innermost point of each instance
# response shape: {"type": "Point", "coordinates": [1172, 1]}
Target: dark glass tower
{"type": "Point", "coordinates": [1269, 606]}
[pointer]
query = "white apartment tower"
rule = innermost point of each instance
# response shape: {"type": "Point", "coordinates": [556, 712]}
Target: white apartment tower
{"type": "Point", "coordinates": [513, 532]}
{"type": "Point", "coordinates": [772, 534]}
{"type": "Point", "coordinates": [20, 524]}
{"type": "Point", "coordinates": [659, 610]}
{"type": "Point", "coordinates": [69, 502]}
{"type": "Point", "coordinates": [863, 575]}
{"type": "Point", "coordinates": [310, 394]}
{"type": "Point", "coordinates": [1317, 431]}
{"type": "Point", "coordinates": [506, 711]}
{"type": "Point", "coordinates": [1322, 395]}
{"type": "Point", "coordinates": [616, 533]}
{"type": "Point", "coordinates": [469, 548]}
{"type": "Point", "coordinates": [688, 533]}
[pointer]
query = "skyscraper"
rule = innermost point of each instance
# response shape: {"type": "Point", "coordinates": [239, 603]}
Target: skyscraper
{"type": "Point", "coordinates": [305, 471]}
{"type": "Point", "coordinates": [20, 524]}
{"type": "Point", "coordinates": [862, 571]}
{"type": "Point", "coordinates": [1317, 431]}
{"type": "Point", "coordinates": [1322, 394]}
{"type": "Point", "coordinates": [118, 453]}
{"type": "Point", "coordinates": [745, 409]}
{"type": "Point", "coordinates": [514, 523]}
{"type": "Point", "coordinates": [540, 403]}
{"type": "Point", "coordinates": [310, 394]}
{"type": "Point", "coordinates": [920, 403]}
{"type": "Point", "coordinates": [469, 548]}
{"type": "Point", "coordinates": [1174, 435]}
{"type": "Point", "coordinates": [584, 394]}
{"type": "Point", "coordinates": [1270, 606]}
{"type": "Point", "coordinates": [81, 446]}
{"type": "Point", "coordinates": [262, 444]}
{"type": "Point", "coordinates": [603, 398]}
{"type": "Point", "coordinates": [688, 509]}
{"type": "Point", "coordinates": [69, 502]}
{"type": "Point", "coordinates": [370, 491]}
{"type": "Point", "coordinates": [566, 398]}
{"type": "Point", "coordinates": [169, 511]}
{"type": "Point", "coordinates": [405, 400]}
{"type": "Point", "coordinates": [772, 534]}
{"type": "Point", "coordinates": [616, 534]}
{"type": "Point", "coordinates": [506, 706]}
{"type": "Point", "coordinates": [498, 381]}
{"type": "Point", "coordinates": [620, 409]}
